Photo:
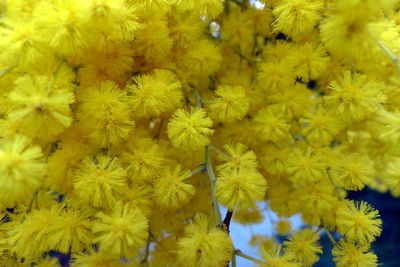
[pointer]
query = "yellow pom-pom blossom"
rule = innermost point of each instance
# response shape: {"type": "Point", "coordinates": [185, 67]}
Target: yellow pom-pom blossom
{"type": "Point", "coordinates": [350, 254]}
{"type": "Point", "coordinates": [353, 172]}
{"type": "Point", "coordinates": [275, 257]}
{"type": "Point", "coordinates": [143, 159]}
{"type": "Point", "coordinates": [21, 170]}
{"type": "Point", "coordinates": [359, 222]}
{"type": "Point", "coordinates": [354, 96]}
{"type": "Point", "coordinates": [271, 123]}
{"type": "Point", "coordinates": [392, 177]}
{"type": "Point", "coordinates": [190, 129]}
{"type": "Point", "coordinates": [202, 246]}
{"type": "Point", "coordinates": [104, 110]}
{"type": "Point", "coordinates": [123, 231]}
{"type": "Point", "coordinates": [304, 246]}
{"type": "Point", "coordinates": [170, 190]}
{"type": "Point", "coordinates": [231, 104]}
{"type": "Point", "coordinates": [239, 157]}
{"type": "Point", "coordinates": [305, 167]}
{"type": "Point", "coordinates": [154, 94]}
{"type": "Point", "coordinates": [283, 227]}
{"type": "Point", "coordinates": [241, 187]}
{"type": "Point", "coordinates": [41, 112]}
{"type": "Point", "coordinates": [296, 17]}
{"type": "Point", "coordinates": [203, 58]}
{"type": "Point", "coordinates": [320, 126]}
{"type": "Point", "coordinates": [100, 181]}
{"type": "Point", "coordinates": [54, 228]}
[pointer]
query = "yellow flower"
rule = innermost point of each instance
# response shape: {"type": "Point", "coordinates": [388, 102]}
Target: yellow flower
{"type": "Point", "coordinates": [276, 257]}
{"type": "Point", "coordinates": [305, 167]}
{"type": "Point", "coordinates": [21, 170]}
{"type": "Point", "coordinates": [100, 181]}
{"type": "Point", "coordinates": [271, 123]}
{"type": "Point", "coordinates": [105, 113]}
{"type": "Point", "coordinates": [122, 232]}
{"type": "Point", "coordinates": [154, 94]}
{"type": "Point", "coordinates": [241, 187]}
{"type": "Point", "coordinates": [240, 158]}
{"type": "Point", "coordinates": [231, 104]}
{"type": "Point", "coordinates": [296, 17]}
{"type": "Point", "coordinates": [350, 254]}
{"type": "Point", "coordinates": [142, 158]}
{"type": "Point", "coordinates": [170, 190]}
{"type": "Point", "coordinates": [359, 222]}
{"type": "Point", "coordinates": [190, 129]}
{"type": "Point", "coordinates": [353, 172]}
{"type": "Point", "coordinates": [354, 96]}
{"type": "Point", "coordinates": [39, 111]}
{"type": "Point", "coordinates": [204, 246]}
{"type": "Point", "coordinates": [304, 247]}
{"type": "Point", "coordinates": [283, 226]}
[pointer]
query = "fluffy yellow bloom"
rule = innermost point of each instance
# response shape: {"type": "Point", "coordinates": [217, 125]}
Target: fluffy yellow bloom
{"type": "Point", "coordinates": [283, 227]}
{"type": "Point", "coordinates": [276, 257]}
{"type": "Point", "coordinates": [359, 222]}
{"type": "Point", "coordinates": [61, 167]}
{"type": "Point", "coordinates": [190, 129]}
{"type": "Point", "coordinates": [122, 232]}
{"type": "Point", "coordinates": [231, 104]}
{"type": "Point", "coordinates": [320, 126]}
{"type": "Point", "coordinates": [203, 58]}
{"type": "Point", "coordinates": [296, 17]}
{"type": "Point", "coordinates": [143, 159]}
{"type": "Point", "coordinates": [240, 158]}
{"type": "Point", "coordinates": [309, 62]}
{"type": "Point", "coordinates": [202, 246]}
{"type": "Point", "coordinates": [305, 167]}
{"type": "Point", "coordinates": [354, 96]}
{"type": "Point", "coordinates": [155, 94]}
{"type": "Point", "coordinates": [104, 109]}
{"type": "Point", "coordinates": [392, 177]}
{"type": "Point", "coordinates": [271, 124]}
{"type": "Point", "coordinates": [63, 27]}
{"type": "Point", "coordinates": [40, 111]}
{"type": "Point", "coordinates": [55, 228]}
{"type": "Point", "coordinates": [349, 254]}
{"type": "Point", "coordinates": [100, 181]}
{"type": "Point", "coordinates": [21, 170]}
{"type": "Point", "coordinates": [353, 172]}
{"type": "Point", "coordinates": [170, 190]}
{"type": "Point", "coordinates": [304, 246]}
{"type": "Point", "coordinates": [241, 187]}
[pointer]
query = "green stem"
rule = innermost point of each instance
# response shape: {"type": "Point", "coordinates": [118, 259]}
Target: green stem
{"type": "Point", "coordinates": [54, 76]}
{"type": "Point", "coordinates": [198, 169]}
{"type": "Point", "coordinates": [233, 259]}
{"type": "Point", "coordinates": [7, 70]}
{"type": "Point", "coordinates": [220, 152]}
{"type": "Point", "coordinates": [198, 98]}
{"type": "Point", "coordinates": [391, 55]}
{"type": "Point", "coordinates": [147, 252]}
{"type": "Point", "coordinates": [239, 253]}
{"type": "Point", "coordinates": [211, 175]}
{"type": "Point", "coordinates": [333, 241]}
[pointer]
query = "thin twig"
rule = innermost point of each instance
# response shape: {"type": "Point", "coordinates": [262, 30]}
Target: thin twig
{"type": "Point", "coordinates": [198, 169]}
{"type": "Point", "coordinates": [239, 253]}
{"type": "Point", "coordinates": [54, 76]}
{"type": "Point", "coordinates": [211, 175]}
{"type": "Point", "coordinates": [333, 241]}
{"type": "Point", "coordinates": [391, 55]}
{"type": "Point", "coordinates": [227, 220]}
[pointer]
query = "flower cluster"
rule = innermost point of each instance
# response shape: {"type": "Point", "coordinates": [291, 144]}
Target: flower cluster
{"type": "Point", "coordinates": [126, 124]}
